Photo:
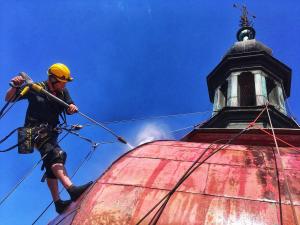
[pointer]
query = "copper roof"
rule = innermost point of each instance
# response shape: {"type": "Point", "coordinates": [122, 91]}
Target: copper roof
{"type": "Point", "coordinates": [238, 185]}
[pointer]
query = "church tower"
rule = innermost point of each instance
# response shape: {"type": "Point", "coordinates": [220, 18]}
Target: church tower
{"type": "Point", "coordinates": [247, 78]}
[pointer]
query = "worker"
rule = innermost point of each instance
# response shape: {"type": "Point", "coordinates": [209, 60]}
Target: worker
{"type": "Point", "coordinates": [42, 117]}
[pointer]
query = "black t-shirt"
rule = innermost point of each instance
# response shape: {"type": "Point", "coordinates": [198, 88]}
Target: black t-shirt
{"type": "Point", "coordinates": [42, 109]}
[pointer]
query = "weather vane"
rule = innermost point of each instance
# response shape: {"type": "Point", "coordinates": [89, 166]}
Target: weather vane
{"type": "Point", "coordinates": [246, 32]}
{"type": "Point", "coordinates": [244, 21]}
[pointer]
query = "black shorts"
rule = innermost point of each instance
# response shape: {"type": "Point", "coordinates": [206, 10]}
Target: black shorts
{"type": "Point", "coordinates": [51, 153]}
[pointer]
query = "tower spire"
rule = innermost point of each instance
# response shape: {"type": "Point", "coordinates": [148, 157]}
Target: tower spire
{"type": "Point", "coordinates": [246, 32]}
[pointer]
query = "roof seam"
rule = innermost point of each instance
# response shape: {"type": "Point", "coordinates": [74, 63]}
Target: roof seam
{"type": "Point", "coordinates": [204, 194]}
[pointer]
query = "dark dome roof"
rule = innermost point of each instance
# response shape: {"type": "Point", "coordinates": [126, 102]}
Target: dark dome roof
{"type": "Point", "coordinates": [248, 46]}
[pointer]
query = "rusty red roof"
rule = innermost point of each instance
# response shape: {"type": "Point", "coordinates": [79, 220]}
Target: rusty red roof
{"type": "Point", "coordinates": [238, 185]}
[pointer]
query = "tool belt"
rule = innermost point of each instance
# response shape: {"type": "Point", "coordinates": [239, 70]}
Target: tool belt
{"type": "Point", "coordinates": [31, 137]}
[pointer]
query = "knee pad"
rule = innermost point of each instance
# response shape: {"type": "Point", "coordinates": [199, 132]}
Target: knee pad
{"type": "Point", "coordinates": [54, 158]}
{"type": "Point", "coordinates": [62, 157]}
{"type": "Point", "coordinates": [58, 156]}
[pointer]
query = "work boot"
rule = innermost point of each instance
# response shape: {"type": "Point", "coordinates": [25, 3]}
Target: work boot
{"type": "Point", "coordinates": [76, 191]}
{"type": "Point", "coordinates": [61, 206]}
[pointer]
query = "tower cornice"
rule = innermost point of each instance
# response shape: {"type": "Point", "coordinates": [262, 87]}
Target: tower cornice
{"type": "Point", "coordinates": [245, 61]}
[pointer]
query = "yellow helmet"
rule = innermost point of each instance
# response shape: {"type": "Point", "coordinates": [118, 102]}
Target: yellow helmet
{"type": "Point", "coordinates": [61, 72]}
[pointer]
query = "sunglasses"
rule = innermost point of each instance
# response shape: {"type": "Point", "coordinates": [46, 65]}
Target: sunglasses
{"type": "Point", "coordinates": [54, 80]}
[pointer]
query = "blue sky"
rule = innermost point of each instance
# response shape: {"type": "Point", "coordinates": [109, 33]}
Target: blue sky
{"type": "Point", "coordinates": [130, 59]}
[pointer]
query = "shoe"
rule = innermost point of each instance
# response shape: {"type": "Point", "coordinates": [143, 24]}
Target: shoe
{"type": "Point", "coordinates": [76, 191]}
{"type": "Point", "coordinates": [61, 206]}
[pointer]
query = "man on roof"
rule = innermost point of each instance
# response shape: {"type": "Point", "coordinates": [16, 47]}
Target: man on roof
{"type": "Point", "coordinates": [43, 114]}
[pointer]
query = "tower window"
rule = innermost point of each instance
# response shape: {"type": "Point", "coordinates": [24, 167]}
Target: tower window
{"type": "Point", "coordinates": [272, 92]}
{"type": "Point", "coordinates": [246, 89]}
{"type": "Point", "coordinates": [223, 90]}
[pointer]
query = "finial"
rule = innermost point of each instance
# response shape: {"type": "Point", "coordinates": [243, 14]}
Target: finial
{"type": "Point", "coordinates": [246, 32]}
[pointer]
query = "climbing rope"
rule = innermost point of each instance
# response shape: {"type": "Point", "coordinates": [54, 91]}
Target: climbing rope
{"type": "Point", "coordinates": [191, 169]}
{"type": "Point", "coordinates": [278, 186]}
{"type": "Point", "coordinates": [283, 171]}
{"type": "Point", "coordinates": [157, 117]}
{"type": "Point", "coordinates": [288, 105]}
{"type": "Point", "coordinates": [85, 160]}
{"type": "Point", "coordinates": [25, 177]}
{"type": "Point", "coordinates": [21, 180]}
{"type": "Point", "coordinates": [12, 147]}
{"type": "Point", "coordinates": [7, 136]}
{"type": "Point", "coordinates": [277, 138]}
{"type": "Point", "coordinates": [181, 129]}
{"type": "Point", "coordinates": [14, 99]}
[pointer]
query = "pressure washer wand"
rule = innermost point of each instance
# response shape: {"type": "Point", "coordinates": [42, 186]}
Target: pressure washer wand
{"type": "Point", "coordinates": [104, 127]}
{"type": "Point", "coordinates": [40, 89]}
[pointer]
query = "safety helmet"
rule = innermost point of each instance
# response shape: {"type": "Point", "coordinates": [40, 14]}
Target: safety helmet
{"type": "Point", "coordinates": [60, 71]}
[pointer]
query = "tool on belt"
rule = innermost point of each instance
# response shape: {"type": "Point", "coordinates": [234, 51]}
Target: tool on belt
{"type": "Point", "coordinates": [30, 137]}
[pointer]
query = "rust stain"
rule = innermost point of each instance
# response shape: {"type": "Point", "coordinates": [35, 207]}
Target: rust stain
{"type": "Point", "coordinates": [150, 181]}
{"type": "Point", "coordinates": [237, 181]}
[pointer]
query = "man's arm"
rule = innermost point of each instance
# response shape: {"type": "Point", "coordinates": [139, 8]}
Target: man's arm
{"type": "Point", "coordinates": [17, 81]}
{"type": "Point", "coordinates": [72, 107]}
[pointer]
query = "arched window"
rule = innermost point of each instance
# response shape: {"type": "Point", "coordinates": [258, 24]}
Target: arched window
{"type": "Point", "coordinates": [246, 89]}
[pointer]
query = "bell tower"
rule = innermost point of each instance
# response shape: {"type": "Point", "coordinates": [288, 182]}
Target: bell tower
{"type": "Point", "coordinates": [247, 78]}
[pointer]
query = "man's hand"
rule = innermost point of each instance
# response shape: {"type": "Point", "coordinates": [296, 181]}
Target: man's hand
{"type": "Point", "coordinates": [18, 81]}
{"type": "Point", "coordinates": [72, 109]}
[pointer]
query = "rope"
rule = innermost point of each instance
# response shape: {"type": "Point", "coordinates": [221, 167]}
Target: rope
{"type": "Point", "coordinates": [151, 117]}
{"type": "Point", "coordinates": [25, 177]}
{"type": "Point", "coordinates": [185, 128]}
{"type": "Point", "coordinates": [278, 186]}
{"type": "Point", "coordinates": [48, 206]}
{"type": "Point", "coordinates": [182, 178]}
{"type": "Point", "coordinates": [11, 133]}
{"type": "Point", "coordinates": [85, 160]}
{"type": "Point", "coordinates": [191, 169]}
{"type": "Point", "coordinates": [14, 99]}
{"type": "Point", "coordinates": [11, 148]}
{"type": "Point", "coordinates": [288, 105]}
{"type": "Point", "coordinates": [156, 117]}
{"type": "Point", "coordinates": [284, 175]}
{"type": "Point", "coordinates": [279, 139]}
{"type": "Point", "coordinates": [14, 146]}
{"type": "Point", "coordinates": [70, 131]}
{"type": "Point", "coordinates": [189, 172]}
{"type": "Point", "coordinates": [18, 184]}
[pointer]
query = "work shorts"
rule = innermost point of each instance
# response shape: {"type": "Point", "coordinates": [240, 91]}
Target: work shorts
{"type": "Point", "coordinates": [51, 152]}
